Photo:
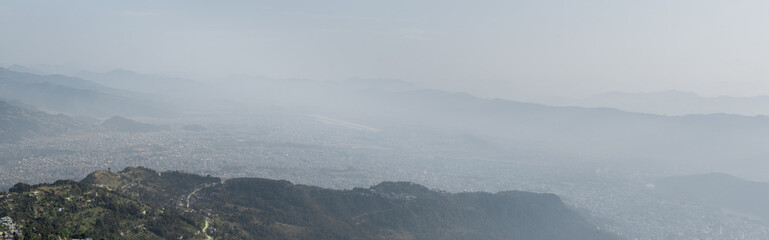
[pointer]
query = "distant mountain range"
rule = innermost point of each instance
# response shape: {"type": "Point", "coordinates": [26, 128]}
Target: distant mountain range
{"type": "Point", "coordinates": [20, 68]}
{"type": "Point", "coordinates": [58, 93]}
{"type": "Point", "coordinates": [695, 142]}
{"type": "Point", "coordinates": [19, 122]}
{"type": "Point", "coordinates": [122, 124]}
{"type": "Point", "coordinates": [724, 191]}
{"type": "Point", "coordinates": [143, 83]}
{"type": "Point", "coordinates": [671, 103]}
{"type": "Point", "coordinates": [173, 205]}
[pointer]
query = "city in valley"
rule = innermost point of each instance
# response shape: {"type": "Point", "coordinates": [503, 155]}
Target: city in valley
{"type": "Point", "coordinates": [305, 149]}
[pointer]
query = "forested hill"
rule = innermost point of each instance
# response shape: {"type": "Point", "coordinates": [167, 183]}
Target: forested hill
{"type": "Point", "coordinates": [198, 207]}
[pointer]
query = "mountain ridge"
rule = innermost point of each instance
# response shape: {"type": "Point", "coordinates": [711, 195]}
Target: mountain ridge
{"type": "Point", "coordinates": [73, 95]}
{"type": "Point", "coordinates": [719, 190]}
{"type": "Point", "coordinates": [19, 122]}
{"type": "Point", "coordinates": [670, 103]}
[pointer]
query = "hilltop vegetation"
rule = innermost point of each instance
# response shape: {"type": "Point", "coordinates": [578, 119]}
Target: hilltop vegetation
{"type": "Point", "coordinates": [140, 203]}
{"type": "Point", "coordinates": [281, 210]}
{"type": "Point", "coordinates": [70, 209]}
{"type": "Point", "coordinates": [149, 186]}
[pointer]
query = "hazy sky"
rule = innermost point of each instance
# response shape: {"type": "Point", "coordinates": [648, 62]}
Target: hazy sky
{"type": "Point", "coordinates": [511, 49]}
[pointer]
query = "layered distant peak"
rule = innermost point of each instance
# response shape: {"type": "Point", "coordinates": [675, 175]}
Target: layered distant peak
{"type": "Point", "coordinates": [118, 123]}
{"type": "Point", "coordinates": [120, 71]}
{"type": "Point", "coordinates": [73, 95]}
{"type": "Point", "coordinates": [719, 190]}
{"type": "Point", "coordinates": [18, 123]}
{"type": "Point", "coordinates": [671, 102]}
{"type": "Point", "coordinates": [20, 68]}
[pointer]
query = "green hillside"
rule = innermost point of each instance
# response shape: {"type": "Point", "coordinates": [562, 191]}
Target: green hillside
{"type": "Point", "coordinates": [68, 209]}
{"type": "Point", "coordinates": [140, 203]}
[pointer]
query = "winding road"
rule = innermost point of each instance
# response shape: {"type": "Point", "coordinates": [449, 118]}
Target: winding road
{"type": "Point", "coordinates": [204, 231]}
{"type": "Point", "coordinates": [205, 226]}
{"type": "Point", "coordinates": [190, 195]}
